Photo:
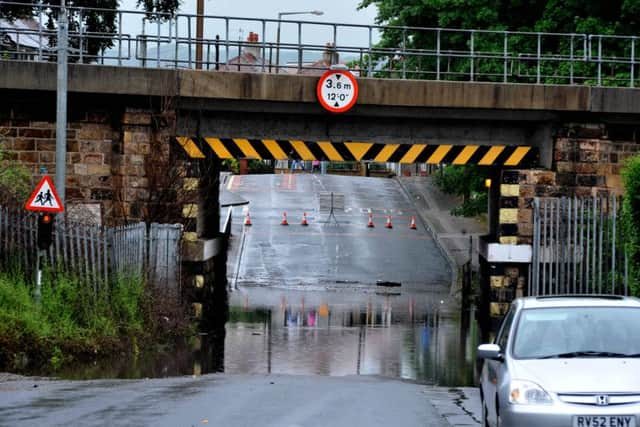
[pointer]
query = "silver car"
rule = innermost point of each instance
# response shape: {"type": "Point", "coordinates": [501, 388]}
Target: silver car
{"type": "Point", "coordinates": [564, 361]}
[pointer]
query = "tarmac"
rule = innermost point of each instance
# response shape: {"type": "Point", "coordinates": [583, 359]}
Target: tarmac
{"type": "Point", "coordinates": [234, 400]}
{"type": "Point", "coordinates": [457, 406]}
{"type": "Point", "coordinates": [458, 239]}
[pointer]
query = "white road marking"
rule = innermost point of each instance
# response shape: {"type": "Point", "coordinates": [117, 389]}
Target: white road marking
{"type": "Point", "coordinates": [230, 182]}
{"type": "Point", "coordinates": [319, 181]}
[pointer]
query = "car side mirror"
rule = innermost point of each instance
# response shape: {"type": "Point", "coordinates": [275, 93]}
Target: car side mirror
{"type": "Point", "coordinates": [490, 351]}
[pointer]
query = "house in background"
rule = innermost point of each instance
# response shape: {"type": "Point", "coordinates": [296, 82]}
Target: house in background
{"type": "Point", "coordinates": [249, 60]}
{"type": "Point", "coordinates": [23, 39]}
{"type": "Point", "coordinates": [330, 57]}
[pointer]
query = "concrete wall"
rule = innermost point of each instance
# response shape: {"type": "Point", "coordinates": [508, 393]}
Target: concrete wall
{"type": "Point", "coordinates": [302, 89]}
{"type": "Point", "coordinates": [325, 127]}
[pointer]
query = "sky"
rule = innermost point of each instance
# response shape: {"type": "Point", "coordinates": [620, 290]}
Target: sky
{"type": "Point", "coordinates": [334, 11]}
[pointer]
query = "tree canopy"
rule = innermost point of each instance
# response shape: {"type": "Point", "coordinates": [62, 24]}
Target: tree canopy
{"type": "Point", "coordinates": [92, 20]}
{"type": "Point", "coordinates": [620, 17]}
{"type": "Point", "coordinates": [565, 16]}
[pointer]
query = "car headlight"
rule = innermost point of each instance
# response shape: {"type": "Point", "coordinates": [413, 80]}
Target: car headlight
{"type": "Point", "coordinates": [528, 393]}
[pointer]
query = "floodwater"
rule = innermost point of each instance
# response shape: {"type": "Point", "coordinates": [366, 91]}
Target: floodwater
{"type": "Point", "coordinates": [414, 337]}
{"type": "Point", "coordinates": [390, 333]}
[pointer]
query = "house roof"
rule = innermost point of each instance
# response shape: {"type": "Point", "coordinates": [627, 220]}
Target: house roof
{"type": "Point", "coordinates": [24, 33]}
{"type": "Point", "coordinates": [249, 59]}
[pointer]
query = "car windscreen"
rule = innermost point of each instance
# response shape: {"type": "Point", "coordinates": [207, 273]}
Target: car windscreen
{"type": "Point", "coordinates": [577, 332]}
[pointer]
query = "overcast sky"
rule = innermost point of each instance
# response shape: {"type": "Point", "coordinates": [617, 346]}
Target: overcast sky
{"type": "Point", "coordinates": [334, 11]}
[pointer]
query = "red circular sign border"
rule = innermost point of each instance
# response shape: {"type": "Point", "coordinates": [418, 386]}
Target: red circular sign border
{"type": "Point", "coordinates": [328, 107]}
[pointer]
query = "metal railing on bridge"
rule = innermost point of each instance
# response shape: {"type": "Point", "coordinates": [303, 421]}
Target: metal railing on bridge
{"type": "Point", "coordinates": [308, 47]}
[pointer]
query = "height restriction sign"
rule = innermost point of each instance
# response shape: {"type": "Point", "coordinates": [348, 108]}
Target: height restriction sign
{"type": "Point", "coordinates": [337, 90]}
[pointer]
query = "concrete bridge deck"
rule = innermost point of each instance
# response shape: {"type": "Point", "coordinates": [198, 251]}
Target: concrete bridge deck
{"type": "Point", "coordinates": [275, 91]}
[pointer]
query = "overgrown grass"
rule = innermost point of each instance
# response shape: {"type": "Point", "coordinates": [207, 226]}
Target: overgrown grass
{"type": "Point", "coordinates": [73, 319]}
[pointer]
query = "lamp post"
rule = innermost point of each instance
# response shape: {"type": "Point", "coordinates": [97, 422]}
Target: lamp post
{"type": "Point", "coordinates": [199, 33]}
{"type": "Point", "coordinates": [280, 15]}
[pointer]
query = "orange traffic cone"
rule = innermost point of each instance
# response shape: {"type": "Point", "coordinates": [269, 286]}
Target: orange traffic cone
{"type": "Point", "coordinates": [370, 224]}
{"type": "Point", "coordinates": [413, 223]}
{"type": "Point", "coordinates": [247, 219]}
{"type": "Point", "coordinates": [388, 224]}
{"type": "Point", "coordinates": [284, 219]}
{"type": "Point", "coordinates": [304, 219]}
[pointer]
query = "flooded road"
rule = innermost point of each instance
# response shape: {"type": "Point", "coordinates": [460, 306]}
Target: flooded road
{"type": "Point", "coordinates": [307, 300]}
{"type": "Point", "coordinates": [413, 337]}
{"type": "Point", "coordinates": [410, 336]}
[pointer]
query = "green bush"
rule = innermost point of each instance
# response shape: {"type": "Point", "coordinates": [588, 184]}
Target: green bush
{"type": "Point", "coordinates": [72, 317]}
{"type": "Point", "coordinates": [231, 165]}
{"type": "Point", "coordinates": [476, 204]}
{"type": "Point", "coordinates": [14, 179]}
{"type": "Point", "coordinates": [259, 166]}
{"type": "Point", "coordinates": [466, 181]}
{"type": "Point", "coordinates": [631, 220]}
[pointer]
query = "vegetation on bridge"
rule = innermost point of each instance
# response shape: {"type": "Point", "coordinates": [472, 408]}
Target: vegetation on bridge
{"type": "Point", "coordinates": [553, 16]}
{"type": "Point", "coordinates": [618, 17]}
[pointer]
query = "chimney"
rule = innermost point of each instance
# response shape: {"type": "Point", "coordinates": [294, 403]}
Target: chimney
{"type": "Point", "coordinates": [252, 48]}
{"type": "Point", "coordinates": [330, 56]}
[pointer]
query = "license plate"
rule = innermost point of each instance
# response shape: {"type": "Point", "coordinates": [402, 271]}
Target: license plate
{"type": "Point", "coordinates": [604, 421]}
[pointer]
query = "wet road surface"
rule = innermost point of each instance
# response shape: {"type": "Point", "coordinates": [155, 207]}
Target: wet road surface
{"type": "Point", "coordinates": [332, 252]}
{"type": "Point", "coordinates": [278, 401]}
{"type": "Point", "coordinates": [311, 340]}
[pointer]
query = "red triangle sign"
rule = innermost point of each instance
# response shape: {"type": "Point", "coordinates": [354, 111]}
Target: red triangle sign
{"type": "Point", "coordinates": [44, 197]}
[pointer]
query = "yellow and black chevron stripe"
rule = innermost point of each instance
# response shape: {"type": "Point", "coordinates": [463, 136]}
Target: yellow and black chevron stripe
{"type": "Point", "coordinates": [508, 213]}
{"type": "Point", "coordinates": [271, 149]}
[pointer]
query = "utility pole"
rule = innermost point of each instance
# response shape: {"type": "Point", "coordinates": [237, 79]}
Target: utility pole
{"type": "Point", "coordinates": [61, 110]}
{"type": "Point", "coordinates": [199, 33]}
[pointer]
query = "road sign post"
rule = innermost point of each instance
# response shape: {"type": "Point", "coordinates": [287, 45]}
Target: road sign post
{"type": "Point", "coordinates": [337, 91]}
{"type": "Point", "coordinates": [45, 200]}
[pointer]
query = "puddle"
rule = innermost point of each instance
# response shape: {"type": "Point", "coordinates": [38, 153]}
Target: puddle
{"type": "Point", "coordinates": [412, 336]}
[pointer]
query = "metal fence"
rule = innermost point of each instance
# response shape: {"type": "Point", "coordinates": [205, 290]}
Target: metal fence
{"type": "Point", "coordinates": [94, 253]}
{"type": "Point", "coordinates": [578, 247]}
{"type": "Point", "coordinates": [158, 40]}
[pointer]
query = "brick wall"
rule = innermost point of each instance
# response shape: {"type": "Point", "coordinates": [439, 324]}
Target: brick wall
{"type": "Point", "coordinates": [588, 160]}
{"type": "Point", "coordinates": [32, 143]}
{"type": "Point", "coordinates": [115, 161]}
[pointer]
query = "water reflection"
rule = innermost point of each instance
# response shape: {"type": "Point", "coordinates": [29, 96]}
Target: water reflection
{"type": "Point", "coordinates": [412, 336]}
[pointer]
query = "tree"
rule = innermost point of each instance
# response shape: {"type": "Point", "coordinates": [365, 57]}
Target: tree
{"type": "Point", "coordinates": [159, 8]}
{"type": "Point", "coordinates": [620, 17]}
{"type": "Point", "coordinates": [466, 181]}
{"type": "Point", "coordinates": [90, 18]}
